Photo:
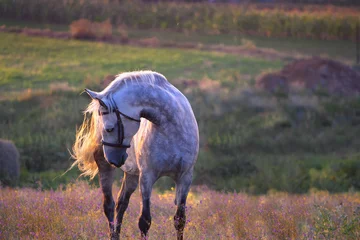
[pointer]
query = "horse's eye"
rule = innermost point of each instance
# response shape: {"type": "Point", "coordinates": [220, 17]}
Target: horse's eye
{"type": "Point", "coordinates": [109, 129]}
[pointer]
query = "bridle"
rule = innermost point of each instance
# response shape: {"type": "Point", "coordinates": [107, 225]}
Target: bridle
{"type": "Point", "coordinates": [120, 125]}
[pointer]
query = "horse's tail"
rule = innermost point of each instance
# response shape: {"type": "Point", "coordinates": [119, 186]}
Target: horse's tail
{"type": "Point", "coordinates": [87, 140]}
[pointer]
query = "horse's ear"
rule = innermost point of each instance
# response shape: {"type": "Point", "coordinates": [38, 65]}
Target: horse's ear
{"type": "Point", "coordinates": [95, 95]}
{"type": "Point", "coordinates": [92, 94]}
{"type": "Point", "coordinates": [151, 115]}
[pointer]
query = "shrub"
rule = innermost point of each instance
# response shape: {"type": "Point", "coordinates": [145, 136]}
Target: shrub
{"type": "Point", "coordinates": [9, 162]}
{"type": "Point", "coordinates": [85, 29]}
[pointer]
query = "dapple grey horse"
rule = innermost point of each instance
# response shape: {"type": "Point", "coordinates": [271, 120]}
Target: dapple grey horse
{"type": "Point", "coordinates": [146, 127]}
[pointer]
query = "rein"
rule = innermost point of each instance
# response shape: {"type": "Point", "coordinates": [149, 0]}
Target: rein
{"type": "Point", "coordinates": [120, 124]}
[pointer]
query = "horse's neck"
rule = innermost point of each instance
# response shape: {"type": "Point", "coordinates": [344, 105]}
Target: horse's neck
{"type": "Point", "coordinates": [154, 101]}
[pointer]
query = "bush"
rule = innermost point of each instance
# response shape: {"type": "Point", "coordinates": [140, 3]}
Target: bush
{"type": "Point", "coordinates": [85, 29]}
{"type": "Point", "coordinates": [9, 162]}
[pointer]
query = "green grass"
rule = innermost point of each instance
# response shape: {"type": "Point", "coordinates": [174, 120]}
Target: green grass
{"type": "Point", "coordinates": [283, 146]}
{"type": "Point", "coordinates": [335, 49]}
{"type": "Point", "coordinates": [30, 62]}
{"type": "Point", "coordinates": [31, 24]}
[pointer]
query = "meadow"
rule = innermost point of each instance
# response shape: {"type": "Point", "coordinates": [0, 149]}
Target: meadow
{"type": "Point", "coordinates": [35, 63]}
{"type": "Point", "coordinates": [76, 213]}
{"type": "Point", "coordinates": [342, 50]}
{"type": "Point", "coordinates": [272, 165]}
{"type": "Point", "coordinates": [250, 140]}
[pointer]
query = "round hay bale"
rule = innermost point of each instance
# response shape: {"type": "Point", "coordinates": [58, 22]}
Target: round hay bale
{"type": "Point", "coordinates": [107, 80]}
{"type": "Point", "coordinates": [9, 162]}
{"type": "Point", "coordinates": [272, 82]}
{"type": "Point", "coordinates": [313, 74]}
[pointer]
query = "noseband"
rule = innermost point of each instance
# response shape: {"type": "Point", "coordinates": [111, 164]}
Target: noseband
{"type": "Point", "coordinates": [120, 125]}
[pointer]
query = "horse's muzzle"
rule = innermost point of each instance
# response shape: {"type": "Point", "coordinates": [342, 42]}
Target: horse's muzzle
{"type": "Point", "coordinates": [116, 157]}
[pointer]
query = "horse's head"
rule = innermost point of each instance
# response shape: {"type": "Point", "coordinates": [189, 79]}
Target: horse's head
{"type": "Point", "coordinates": [117, 129]}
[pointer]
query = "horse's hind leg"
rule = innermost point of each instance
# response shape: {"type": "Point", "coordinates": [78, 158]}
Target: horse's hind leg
{"type": "Point", "coordinates": [182, 190]}
{"type": "Point", "coordinates": [106, 179]}
{"type": "Point", "coordinates": [128, 186]}
{"type": "Point", "coordinates": [146, 183]}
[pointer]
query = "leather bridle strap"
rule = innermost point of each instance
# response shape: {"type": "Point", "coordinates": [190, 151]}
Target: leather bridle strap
{"type": "Point", "coordinates": [120, 124]}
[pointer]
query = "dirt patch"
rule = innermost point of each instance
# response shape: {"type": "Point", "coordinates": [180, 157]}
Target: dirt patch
{"type": "Point", "coordinates": [150, 42]}
{"type": "Point", "coordinates": [25, 94]}
{"type": "Point", "coordinates": [44, 33]}
{"type": "Point", "coordinates": [313, 74]}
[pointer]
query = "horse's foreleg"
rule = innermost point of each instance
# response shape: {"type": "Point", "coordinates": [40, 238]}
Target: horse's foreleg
{"type": "Point", "coordinates": [106, 179]}
{"type": "Point", "coordinates": [128, 186]}
{"type": "Point", "coordinates": [108, 201]}
{"type": "Point", "coordinates": [182, 190]}
{"type": "Point", "coordinates": [146, 183]}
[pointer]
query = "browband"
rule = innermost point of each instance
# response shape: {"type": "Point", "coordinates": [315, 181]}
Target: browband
{"type": "Point", "coordinates": [117, 110]}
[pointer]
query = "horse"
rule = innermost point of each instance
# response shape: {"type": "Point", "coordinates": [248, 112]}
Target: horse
{"type": "Point", "coordinates": [144, 125]}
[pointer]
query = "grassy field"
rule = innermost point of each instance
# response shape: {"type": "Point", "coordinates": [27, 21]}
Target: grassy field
{"type": "Point", "coordinates": [336, 49]}
{"type": "Point", "coordinates": [250, 140]}
{"type": "Point", "coordinates": [76, 213]}
{"type": "Point", "coordinates": [35, 62]}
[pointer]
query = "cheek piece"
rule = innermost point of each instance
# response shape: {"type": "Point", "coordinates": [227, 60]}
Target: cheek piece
{"type": "Point", "coordinates": [120, 133]}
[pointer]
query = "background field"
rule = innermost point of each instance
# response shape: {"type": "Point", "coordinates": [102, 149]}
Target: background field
{"type": "Point", "coordinates": [295, 147]}
{"type": "Point", "coordinates": [257, 141]}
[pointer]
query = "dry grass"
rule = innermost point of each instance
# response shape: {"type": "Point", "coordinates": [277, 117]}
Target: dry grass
{"type": "Point", "coordinates": [76, 213]}
{"type": "Point", "coordinates": [152, 42]}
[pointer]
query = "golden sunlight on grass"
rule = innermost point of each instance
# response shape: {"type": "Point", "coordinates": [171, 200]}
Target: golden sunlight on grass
{"type": "Point", "coordinates": [76, 213]}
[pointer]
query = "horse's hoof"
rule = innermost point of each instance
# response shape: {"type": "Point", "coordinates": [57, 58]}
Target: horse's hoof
{"type": "Point", "coordinates": [114, 236]}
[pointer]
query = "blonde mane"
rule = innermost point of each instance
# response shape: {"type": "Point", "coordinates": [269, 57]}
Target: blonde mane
{"type": "Point", "coordinates": [87, 140]}
{"type": "Point", "coordinates": [88, 136]}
